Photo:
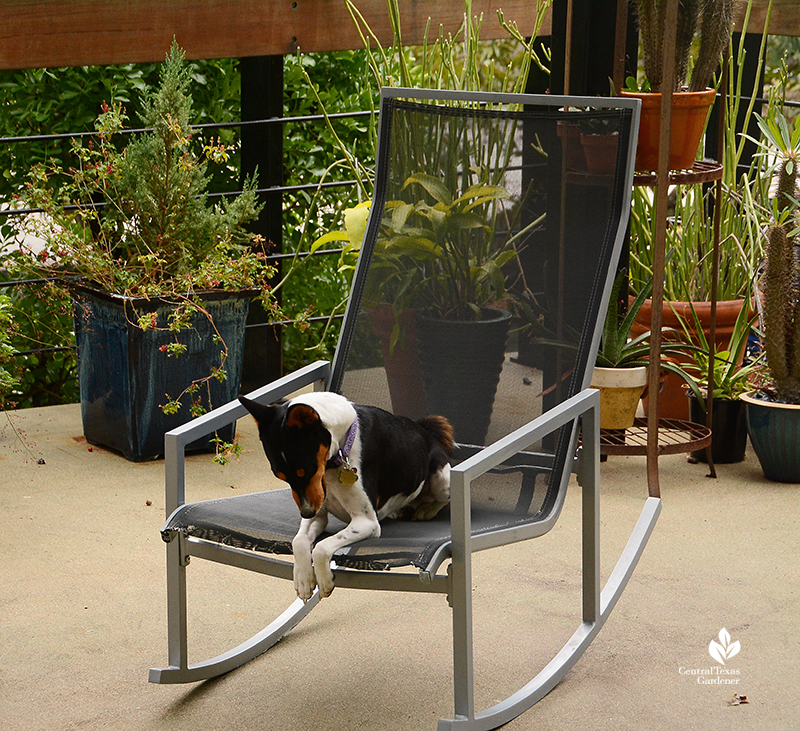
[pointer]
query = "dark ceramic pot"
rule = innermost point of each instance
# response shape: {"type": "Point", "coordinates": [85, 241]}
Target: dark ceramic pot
{"type": "Point", "coordinates": [125, 374]}
{"type": "Point", "coordinates": [774, 430]}
{"type": "Point", "coordinates": [461, 363]}
{"type": "Point", "coordinates": [728, 429]}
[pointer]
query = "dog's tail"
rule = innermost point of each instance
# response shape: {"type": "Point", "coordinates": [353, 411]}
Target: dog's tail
{"type": "Point", "coordinates": [441, 429]}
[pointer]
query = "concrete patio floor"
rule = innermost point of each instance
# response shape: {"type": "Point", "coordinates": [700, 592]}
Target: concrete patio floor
{"type": "Point", "coordinates": [82, 608]}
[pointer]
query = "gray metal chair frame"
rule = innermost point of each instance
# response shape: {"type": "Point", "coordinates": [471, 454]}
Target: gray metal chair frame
{"type": "Point", "coordinates": [456, 582]}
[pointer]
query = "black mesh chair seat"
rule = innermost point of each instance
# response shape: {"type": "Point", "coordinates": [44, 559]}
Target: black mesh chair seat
{"type": "Point", "coordinates": [267, 522]}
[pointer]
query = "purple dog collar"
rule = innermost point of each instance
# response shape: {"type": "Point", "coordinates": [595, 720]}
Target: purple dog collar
{"type": "Point", "coordinates": [341, 456]}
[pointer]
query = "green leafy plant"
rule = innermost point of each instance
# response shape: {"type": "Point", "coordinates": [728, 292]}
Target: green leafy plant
{"type": "Point", "coordinates": [730, 379]}
{"type": "Point", "coordinates": [690, 236]}
{"type": "Point", "coordinates": [454, 238]}
{"type": "Point", "coordinates": [618, 349]}
{"type": "Point", "coordinates": [8, 381]}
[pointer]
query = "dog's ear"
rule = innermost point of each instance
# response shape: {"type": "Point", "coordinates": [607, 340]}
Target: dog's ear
{"type": "Point", "coordinates": [264, 414]}
{"type": "Point", "coordinates": [300, 415]}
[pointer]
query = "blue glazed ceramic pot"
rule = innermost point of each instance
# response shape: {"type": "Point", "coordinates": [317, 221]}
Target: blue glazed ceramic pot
{"type": "Point", "coordinates": [125, 374]}
{"type": "Point", "coordinates": [774, 430]}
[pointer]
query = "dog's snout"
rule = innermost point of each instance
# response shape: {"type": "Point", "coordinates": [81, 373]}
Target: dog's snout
{"type": "Point", "coordinates": [307, 510]}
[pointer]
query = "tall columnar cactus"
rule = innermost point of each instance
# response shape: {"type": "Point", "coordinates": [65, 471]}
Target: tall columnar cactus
{"type": "Point", "coordinates": [716, 22]}
{"type": "Point", "coordinates": [688, 14]}
{"type": "Point", "coordinates": [781, 283]}
{"type": "Point", "coordinates": [714, 19]}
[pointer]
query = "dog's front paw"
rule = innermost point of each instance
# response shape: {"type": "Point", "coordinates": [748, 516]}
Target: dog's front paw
{"type": "Point", "coordinates": [325, 578]}
{"type": "Point", "coordinates": [304, 582]}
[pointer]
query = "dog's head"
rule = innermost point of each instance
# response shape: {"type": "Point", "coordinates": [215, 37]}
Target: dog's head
{"type": "Point", "coordinates": [296, 444]}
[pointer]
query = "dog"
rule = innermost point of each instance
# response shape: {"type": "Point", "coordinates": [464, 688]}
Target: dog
{"type": "Point", "coordinates": [358, 463]}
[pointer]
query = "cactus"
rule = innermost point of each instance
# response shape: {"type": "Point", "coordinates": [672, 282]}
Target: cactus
{"type": "Point", "coordinates": [715, 18]}
{"type": "Point", "coordinates": [781, 282]}
{"type": "Point", "coordinates": [688, 14]}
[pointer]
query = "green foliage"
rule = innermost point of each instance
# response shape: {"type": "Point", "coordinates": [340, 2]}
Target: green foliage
{"type": "Point", "coordinates": [439, 252]}
{"type": "Point", "coordinates": [730, 379]}
{"type": "Point", "coordinates": [7, 379]}
{"type": "Point", "coordinates": [65, 100]}
{"type": "Point", "coordinates": [331, 83]}
{"type": "Point", "coordinates": [41, 317]}
{"type": "Point", "coordinates": [138, 222]}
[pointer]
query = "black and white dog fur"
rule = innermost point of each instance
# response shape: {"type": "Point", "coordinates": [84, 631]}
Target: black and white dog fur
{"type": "Point", "coordinates": [360, 464]}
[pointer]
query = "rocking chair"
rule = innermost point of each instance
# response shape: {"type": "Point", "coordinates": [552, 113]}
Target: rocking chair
{"type": "Point", "coordinates": [479, 294]}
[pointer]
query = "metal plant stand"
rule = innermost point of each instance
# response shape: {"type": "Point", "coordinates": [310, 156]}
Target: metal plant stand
{"type": "Point", "coordinates": [653, 436]}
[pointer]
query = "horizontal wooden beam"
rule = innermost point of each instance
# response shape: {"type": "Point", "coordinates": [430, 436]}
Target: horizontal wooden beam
{"type": "Point", "coordinates": [55, 33]}
{"type": "Point", "coordinates": [784, 21]}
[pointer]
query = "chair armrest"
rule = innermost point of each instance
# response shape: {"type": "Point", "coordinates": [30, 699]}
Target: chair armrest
{"type": "Point", "coordinates": [175, 441]}
{"type": "Point", "coordinates": [495, 454]}
{"type": "Point", "coordinates": [585, 404]}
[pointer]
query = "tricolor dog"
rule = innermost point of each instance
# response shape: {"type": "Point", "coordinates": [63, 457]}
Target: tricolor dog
{"type": "Point", "coordinates": [360, 464]}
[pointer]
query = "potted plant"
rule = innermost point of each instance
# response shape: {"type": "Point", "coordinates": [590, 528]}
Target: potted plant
{"type": "Point", "coordinates": [773, 410]}
{"type": "Point", "coordinates": [442, 261]}
{"type": "Point", "coordinates": [599, 140]}
{"type": "Point", "coordinates": [155, 270]}
{"type": "Point", "coordinates": [706, 22]}
{"type": "Point", "coordinates": [691, 235]}
{"type": "Point", "coordinates": [730, 382]}
{"type": "Point", "coordinates": [688, 280]}
{"type": "Point", "coordinates": [620, 371]}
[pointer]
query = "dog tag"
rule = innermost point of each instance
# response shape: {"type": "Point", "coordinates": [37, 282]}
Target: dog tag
{"type": "Point", "coordinates": [348, 476]}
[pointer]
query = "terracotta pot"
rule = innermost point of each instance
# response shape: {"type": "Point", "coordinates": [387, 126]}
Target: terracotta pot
{"type": "Point", "coordinates": [570, 135]}
{"type": "Point", "coordinates": [403, 373]}
{"type": "Point", "coordinates": [689, 114]}
{"type": "Point", "coordinates": [673, 403]}
{"type": "Point", "coordinates": [601, 153]}
{"type": "Point", "coordinates": [620, 391]}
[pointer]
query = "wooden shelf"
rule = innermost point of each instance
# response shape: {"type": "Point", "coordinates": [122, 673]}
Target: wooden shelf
{"type": "Point", "coordinates": [674, 437]}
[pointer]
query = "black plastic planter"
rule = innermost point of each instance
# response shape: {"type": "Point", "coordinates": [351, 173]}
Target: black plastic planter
{"type": "Point", "coordinates": [471, 354]}
{"type": "Point", "coordinates": [125, 373]}
{"type": "Point", "coordinates": [728, 429]}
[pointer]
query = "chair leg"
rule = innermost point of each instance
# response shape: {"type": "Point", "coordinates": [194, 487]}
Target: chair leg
{"type": "Point", "coordinates": [465, 719]}
{"type": "Point", "coordinates": [179, 670]}
{"type": "Point", "coordinates": [460, 598]}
